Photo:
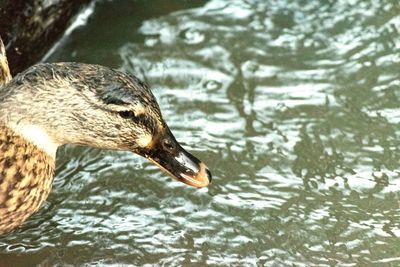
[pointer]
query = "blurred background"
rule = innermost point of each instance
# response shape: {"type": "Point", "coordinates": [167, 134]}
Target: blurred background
{"type": "Point", "coordinates": [294, 106]}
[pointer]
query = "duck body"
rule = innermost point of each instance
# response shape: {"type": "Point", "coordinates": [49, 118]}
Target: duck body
{"type": "Point", "coordinates": [26, 177]}
{"type": "Point", "coordinates": [50, 105]}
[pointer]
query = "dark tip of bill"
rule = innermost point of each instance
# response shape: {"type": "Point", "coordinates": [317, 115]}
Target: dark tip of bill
{"type": "Point", "coordinates": [209, 176]}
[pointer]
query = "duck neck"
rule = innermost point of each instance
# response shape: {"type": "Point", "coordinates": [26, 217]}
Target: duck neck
{"type": "Point", "coordinates": [26, 176]}
{"type": "Point", "coordinates": [37, 136]}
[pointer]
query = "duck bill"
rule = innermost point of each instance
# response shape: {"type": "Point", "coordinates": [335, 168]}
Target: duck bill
{"type": "Point", "coordinates": [176, 161]}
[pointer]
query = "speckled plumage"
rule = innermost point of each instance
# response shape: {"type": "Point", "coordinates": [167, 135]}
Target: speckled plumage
{"type": "Point", "coordinates": [26, 176]}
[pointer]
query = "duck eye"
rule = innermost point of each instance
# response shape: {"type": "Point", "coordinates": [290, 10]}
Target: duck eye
{"type": "Point", "coordinates": [127, 114]}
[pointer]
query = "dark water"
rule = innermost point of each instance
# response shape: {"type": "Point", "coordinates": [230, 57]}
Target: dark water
{"type": "Point", "coordinates": [294, 105]}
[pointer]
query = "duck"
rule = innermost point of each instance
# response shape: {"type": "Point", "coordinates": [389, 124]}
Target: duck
{"type": "Point", "coordinates": [53, 104]}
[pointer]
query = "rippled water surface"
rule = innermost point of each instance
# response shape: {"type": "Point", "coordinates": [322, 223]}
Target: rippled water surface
{"type": "Point", "coordinates": [294, 106]}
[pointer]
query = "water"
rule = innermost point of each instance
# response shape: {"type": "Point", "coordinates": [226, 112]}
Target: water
{"type": "Point", "coordinates": [294, 106]}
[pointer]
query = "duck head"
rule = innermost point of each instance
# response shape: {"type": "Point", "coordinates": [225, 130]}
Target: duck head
{"type": "Point", "coordinates": [56, 104]}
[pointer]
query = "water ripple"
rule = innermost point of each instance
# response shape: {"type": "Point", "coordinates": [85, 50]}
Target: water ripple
{"type": "Point", "coordinates": [295, 108]}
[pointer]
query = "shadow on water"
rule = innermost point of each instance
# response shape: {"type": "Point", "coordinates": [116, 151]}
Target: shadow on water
{"type": "Point", "coordinates": [97, 42]}
{"type": "Point", "coordinates": [293, 105]}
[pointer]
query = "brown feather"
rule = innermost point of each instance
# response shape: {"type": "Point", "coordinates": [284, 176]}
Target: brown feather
{"type": "Point", "coordinates": [5, 75]}
{"type": "Point", "coordinates": [26, 177]}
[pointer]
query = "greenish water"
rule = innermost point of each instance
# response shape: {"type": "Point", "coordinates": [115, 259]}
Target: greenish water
{"type": "Point", "coordinates": [294, 106]}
